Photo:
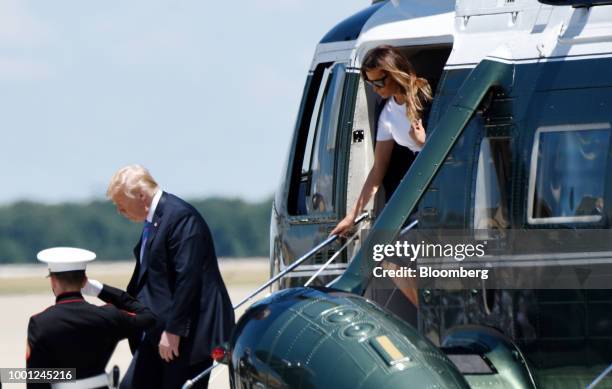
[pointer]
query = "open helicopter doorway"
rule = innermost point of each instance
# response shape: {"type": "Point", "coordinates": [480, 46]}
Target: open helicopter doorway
{"type": "Point", "coordinates": [428, 62]}
{"type": "Point", "coordinates": [333, 151]}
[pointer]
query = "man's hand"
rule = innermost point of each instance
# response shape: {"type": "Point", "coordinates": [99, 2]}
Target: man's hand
{"type": "Point", "coordinates": [169, 346]}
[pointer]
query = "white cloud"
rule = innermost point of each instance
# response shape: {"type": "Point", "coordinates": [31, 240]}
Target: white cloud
{"type": "Point", "coordinates": [20, 28]}
{"type": "Point", "coordinates": [23, 69]}
{"type": "Point", "coordinates": [23, 37]}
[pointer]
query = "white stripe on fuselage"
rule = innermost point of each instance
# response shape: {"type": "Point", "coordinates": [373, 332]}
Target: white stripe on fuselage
{"type": "Point", "coordinates": [532, 60]}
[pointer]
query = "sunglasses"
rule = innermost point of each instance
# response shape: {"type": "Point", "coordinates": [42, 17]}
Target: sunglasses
{"type": "Point", "coordinates": [380, 83]}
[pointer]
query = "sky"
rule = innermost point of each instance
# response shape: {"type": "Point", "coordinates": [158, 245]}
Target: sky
{"type": "Point", "coordinates": [203, 93]}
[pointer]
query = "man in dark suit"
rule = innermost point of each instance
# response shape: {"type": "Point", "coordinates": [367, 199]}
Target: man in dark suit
{"type": "Point", "coordinates": [75, 334]}
{"type": "Point", "coordinates": [178, 278]}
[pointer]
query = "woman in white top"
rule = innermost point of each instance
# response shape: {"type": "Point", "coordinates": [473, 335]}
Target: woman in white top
{"type": "Point", "coordinates": [400, 133]}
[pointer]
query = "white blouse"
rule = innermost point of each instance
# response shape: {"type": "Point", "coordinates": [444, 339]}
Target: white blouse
{"type": "Point", "coordinates": [394, 124]}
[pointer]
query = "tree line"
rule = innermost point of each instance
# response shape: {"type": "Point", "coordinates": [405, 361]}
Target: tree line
{"type": "Point", "coordinates": [239, 228]}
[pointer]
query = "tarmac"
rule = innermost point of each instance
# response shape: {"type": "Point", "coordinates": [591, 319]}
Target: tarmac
{"type": "Point", "coordinates": [22, 294]}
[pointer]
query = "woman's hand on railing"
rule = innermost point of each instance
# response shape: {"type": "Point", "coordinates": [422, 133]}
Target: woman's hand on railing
{"type": "Point", "coordinates": [344, 227]}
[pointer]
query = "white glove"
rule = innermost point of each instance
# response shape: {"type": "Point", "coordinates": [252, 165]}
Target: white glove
{"type": "Point", "coordinates": [92, 288]}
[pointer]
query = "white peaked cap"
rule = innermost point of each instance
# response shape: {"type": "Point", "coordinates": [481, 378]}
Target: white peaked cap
{"type": "Point", "coordinates": [61, 259]}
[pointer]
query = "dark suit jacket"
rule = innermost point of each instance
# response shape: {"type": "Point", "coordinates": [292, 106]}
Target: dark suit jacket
{"type": "Point", "coordinates": [179, 280]}
{"type": "Point", "coordinates": [75, 334]}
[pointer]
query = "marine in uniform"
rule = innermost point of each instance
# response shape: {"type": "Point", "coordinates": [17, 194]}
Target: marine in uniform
{"type": "Point", "coordinates": [74, 333]}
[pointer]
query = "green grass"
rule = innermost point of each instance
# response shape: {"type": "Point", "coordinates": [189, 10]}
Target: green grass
{"type": "Point", "coordinates": [31, 285]}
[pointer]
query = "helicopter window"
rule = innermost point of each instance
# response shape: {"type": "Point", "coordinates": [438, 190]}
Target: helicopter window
{"type": "Point", "coordinates": [323, 161]}
{"type": "Point", "coordinates": [493, 184]}
{"type": "Point", "coordinates": [312, 183]}
{"type": "Point", "coordinates": [568, 169]}
{"type": "Point", "coordinates": [300, 166]}
{"type": "Point", "coordinates": [312, 129]}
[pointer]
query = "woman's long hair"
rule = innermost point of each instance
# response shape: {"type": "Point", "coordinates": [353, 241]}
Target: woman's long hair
{"type": "Point", "coordinates": [395, 65]}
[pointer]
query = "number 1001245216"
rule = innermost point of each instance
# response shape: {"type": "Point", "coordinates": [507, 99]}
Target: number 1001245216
{"type": "Point", "coordinates": [38, 375]}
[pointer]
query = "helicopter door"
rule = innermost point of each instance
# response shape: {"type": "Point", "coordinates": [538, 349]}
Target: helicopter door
{"type": "Point", "coordinates": [313, 193]}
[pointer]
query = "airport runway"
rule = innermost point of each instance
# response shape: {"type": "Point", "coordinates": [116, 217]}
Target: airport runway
{"type": "Point", "coordinates": [241, 275]}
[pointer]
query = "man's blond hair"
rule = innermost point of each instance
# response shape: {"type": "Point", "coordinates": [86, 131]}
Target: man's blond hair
{"type": "Point", "coordinates": [132, 180]}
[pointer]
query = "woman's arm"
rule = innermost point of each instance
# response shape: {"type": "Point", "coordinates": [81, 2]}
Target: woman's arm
{"type": "Point", "coordinates": [382, 156]}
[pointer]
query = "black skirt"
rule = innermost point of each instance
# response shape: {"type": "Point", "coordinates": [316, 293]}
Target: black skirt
{"type": "Point", "coordinates": [401, 160]}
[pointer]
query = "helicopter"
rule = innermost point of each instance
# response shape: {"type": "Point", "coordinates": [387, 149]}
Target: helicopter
{"type": "Point", "coordinates": [516, 163]}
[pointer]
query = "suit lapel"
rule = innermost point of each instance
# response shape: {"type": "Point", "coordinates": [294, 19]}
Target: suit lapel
{"type": "Point", "coordinates": [157, 220]}
{"type": "Point", "coordinates": [136, 250]}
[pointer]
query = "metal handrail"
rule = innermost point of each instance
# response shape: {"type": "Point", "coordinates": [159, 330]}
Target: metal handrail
{"type": "Point", "coordinates": [189, 383]}
{"type": "Point", "coordinates": [297, 263]}
{"type": "Point", "coordinates": [330, 260]}
{"type": "Point", "coordinates": [403, 231]}
{"type": "Point", "coordinates": [600, 377]}
{"type": "Point", "coordinates": [408, 227]}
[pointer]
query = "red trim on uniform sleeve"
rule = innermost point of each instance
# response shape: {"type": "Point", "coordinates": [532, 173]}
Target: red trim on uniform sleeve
{"type": "Point", "coordinates": [129, 313]}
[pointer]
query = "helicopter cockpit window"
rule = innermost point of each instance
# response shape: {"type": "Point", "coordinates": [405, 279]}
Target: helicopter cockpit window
{"type": "Point", "coordinates": [312, 184]}
{"type": "Point", "coordinates": [309, 111]}
{"type": "Point", "coordinates": [312, 131]}
{"type": "Point", "coordinates": [567, 177]}
{"type": "Point", "coordinates": [323, 160]}
{"type": "Point", "coordinates": [493, 184]}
